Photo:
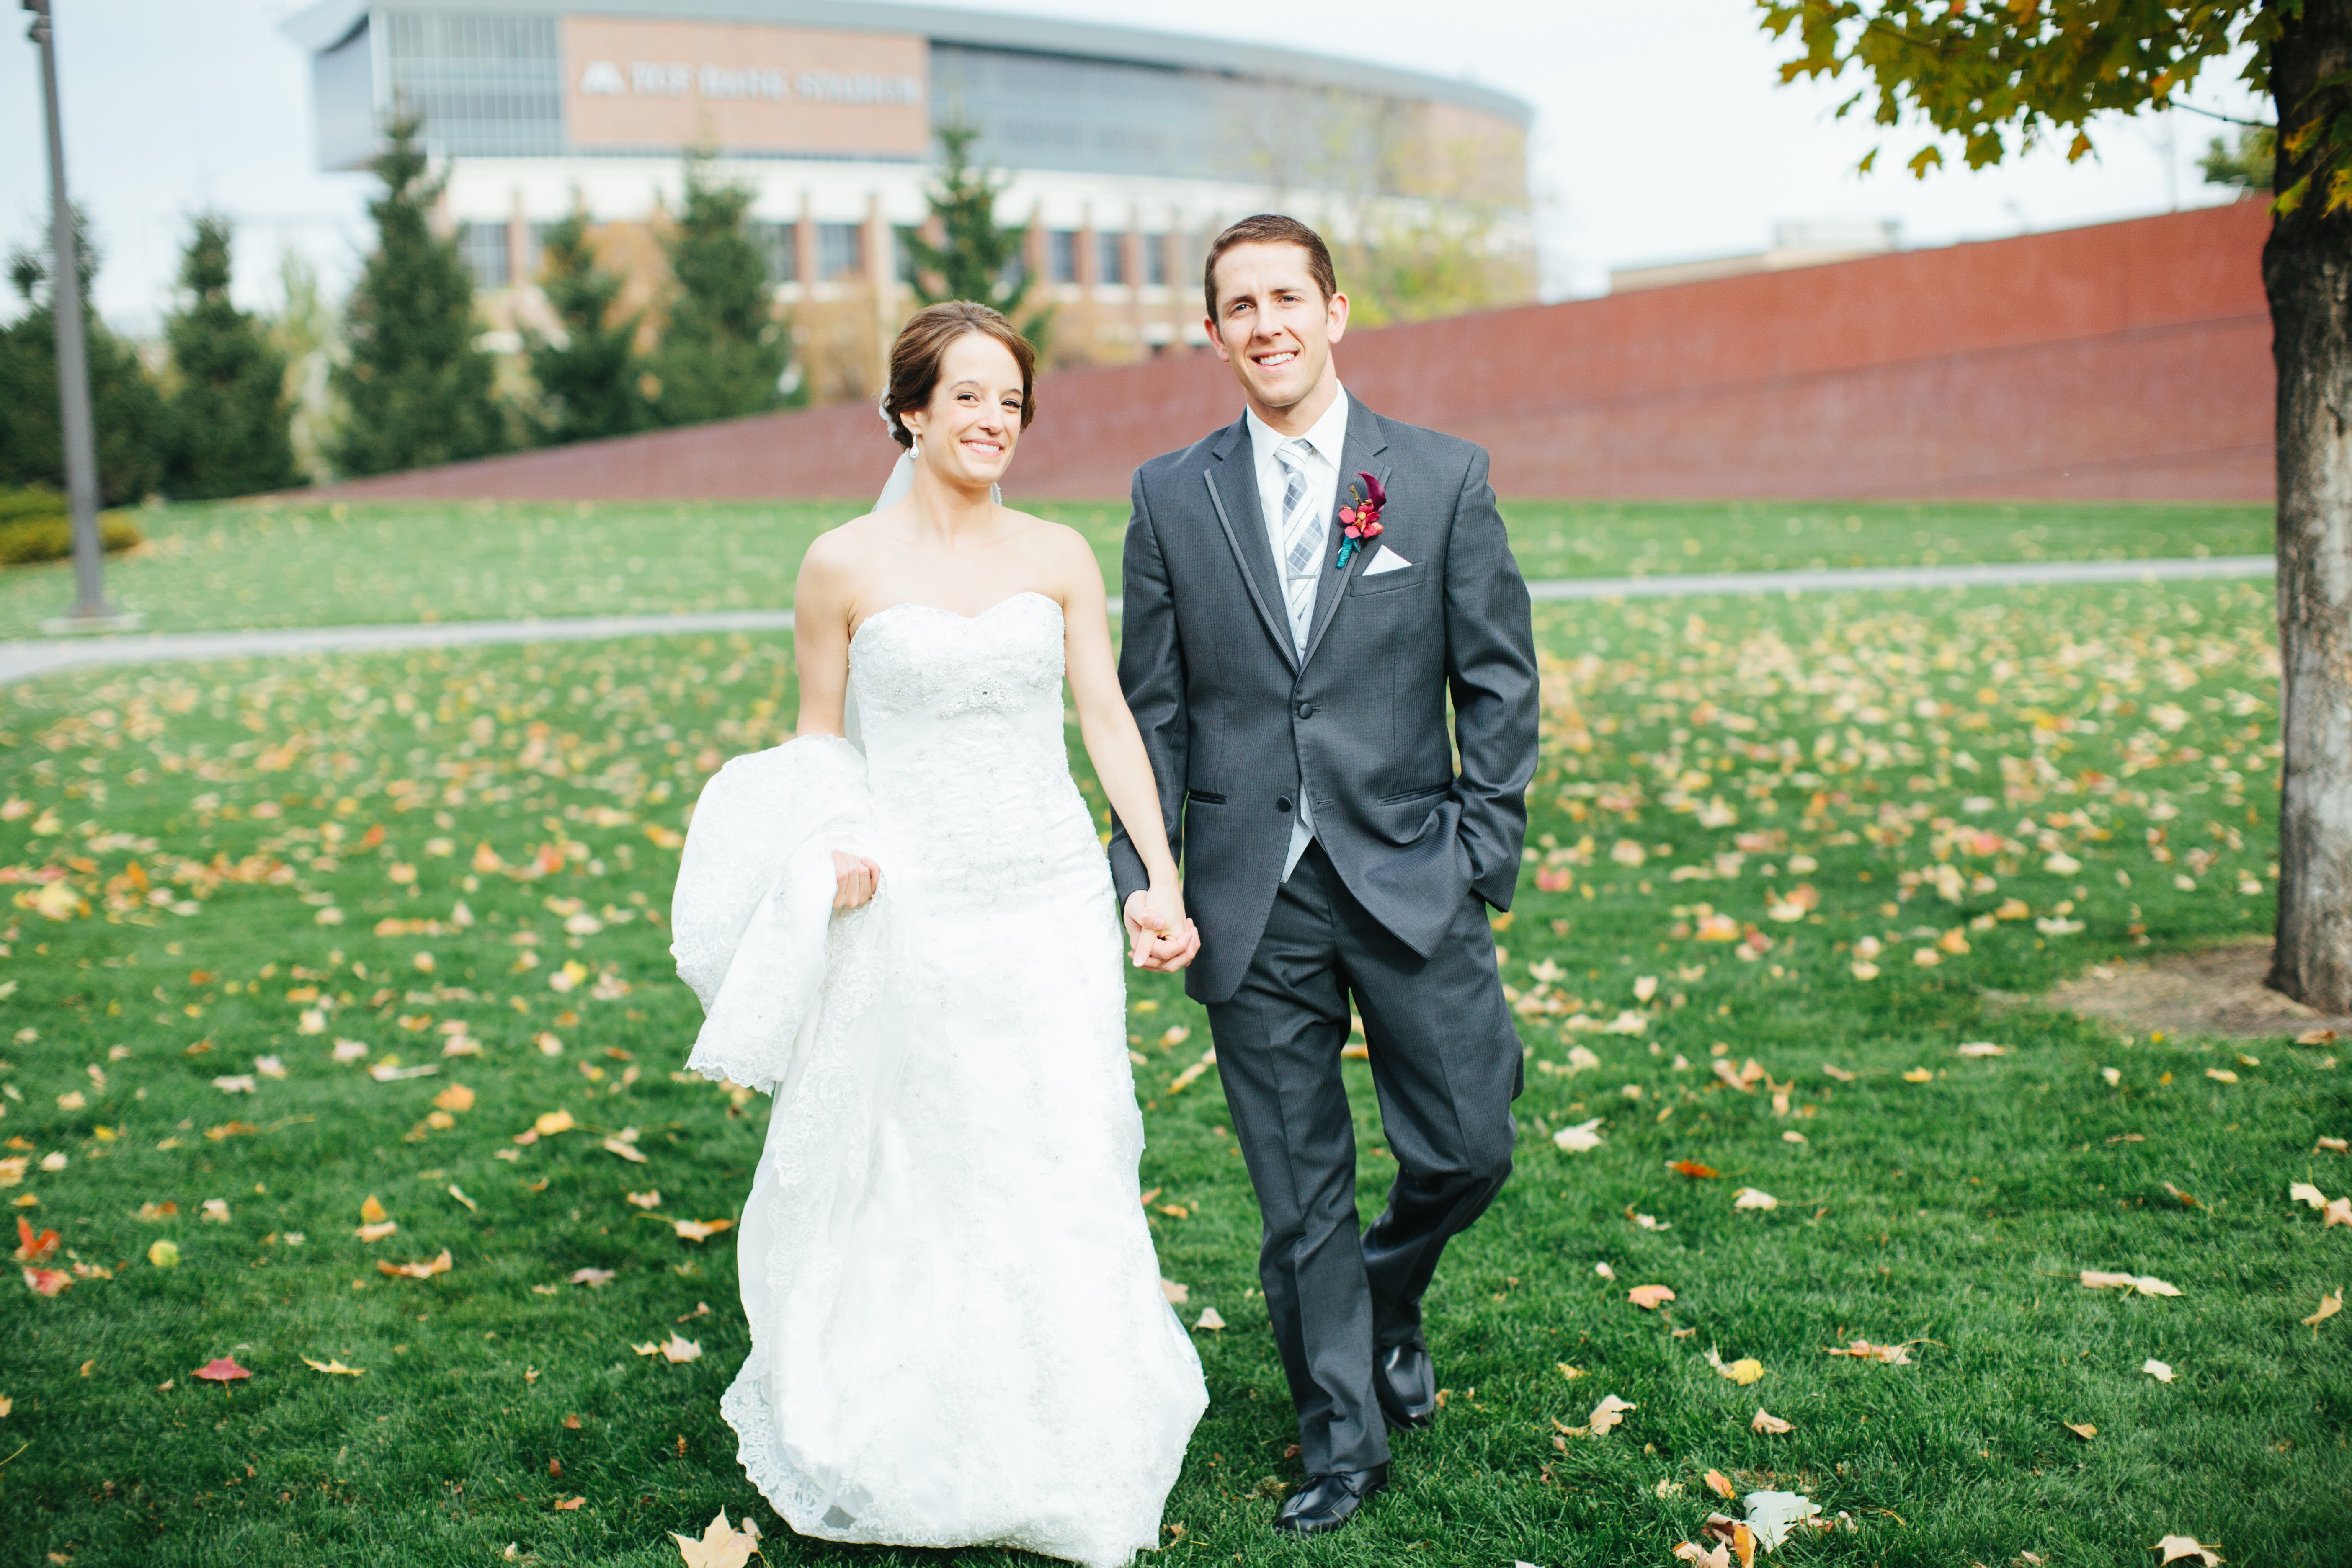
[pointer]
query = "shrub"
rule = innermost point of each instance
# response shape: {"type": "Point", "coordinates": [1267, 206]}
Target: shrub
{"type": "Point", "coordinates": [34, 527]}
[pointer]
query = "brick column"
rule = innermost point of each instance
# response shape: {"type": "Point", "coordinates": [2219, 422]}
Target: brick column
{"type": "Point", "coordinates": [804, 247]}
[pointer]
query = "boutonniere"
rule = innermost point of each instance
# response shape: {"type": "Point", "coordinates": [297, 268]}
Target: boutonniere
{"type": "Point", "coordinates": [1360, 517]}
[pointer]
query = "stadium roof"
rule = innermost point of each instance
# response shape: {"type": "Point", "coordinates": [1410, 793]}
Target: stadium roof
{"type": "Point", "coordinates": [330, 22]}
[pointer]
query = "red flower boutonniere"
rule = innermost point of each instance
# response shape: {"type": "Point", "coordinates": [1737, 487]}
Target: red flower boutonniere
{"type": "Point", "coordinates": [1360, 519]}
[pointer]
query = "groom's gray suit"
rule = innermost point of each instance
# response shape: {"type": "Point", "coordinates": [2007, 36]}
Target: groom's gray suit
{"type": "Point", "coordinates": [1386, 910]}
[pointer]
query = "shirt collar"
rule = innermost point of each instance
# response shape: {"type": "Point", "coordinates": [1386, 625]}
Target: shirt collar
{"type": "Point", "coordinates": [1327, 434]}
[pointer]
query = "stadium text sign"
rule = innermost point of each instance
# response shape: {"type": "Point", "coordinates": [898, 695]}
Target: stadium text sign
{"type": "Point", "coordinates": [670, 85]}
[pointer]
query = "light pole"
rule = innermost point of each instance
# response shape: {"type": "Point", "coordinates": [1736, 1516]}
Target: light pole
{"type": "Point", "coordinates": [90, 611]}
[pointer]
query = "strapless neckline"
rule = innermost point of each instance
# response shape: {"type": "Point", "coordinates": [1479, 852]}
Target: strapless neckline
{"type": "Point", "coordinates": [952, 614]}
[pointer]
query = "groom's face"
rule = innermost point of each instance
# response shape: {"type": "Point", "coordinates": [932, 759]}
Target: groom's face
{"type": "Point", "coordinates": [1273, 324]}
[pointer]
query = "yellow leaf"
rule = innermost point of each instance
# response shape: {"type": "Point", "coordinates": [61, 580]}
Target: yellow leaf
{"type": "Point", "coordinates": [2328, 1307]}
{"type": "Point", "coordinates": [1649, 1298]}
{"type": "Point", "coordinates": [626, 1151]}
{"type": "Point", "coordinates": [552, 1123]}
{"type": "Point", "coordinates": [377, 1232]}
{"type": "Point", "coordinates": [372, 1211]}
{"type": "Point", "coordinates": [1607, 1413]}
{"type": "Point", "coordinates": [676, 1349]}
{"type": "Point", "coordinates": [1720, 1484]}
{"type": "Point", "coordinates": [699, 1229]}
{"type": "Point", "coordinates": [722, 1545]}
{"type": "Point", "coordinates": [424, 1270]}
{"type": "Point", "coordinates": [2082, 1429]}
{"type": "Point", "coordinates": [1768, 1424]}
{"type": "Point", "coordinates": [1210, 1320]}
{"type": "Point", "coordinates": [457, 1096]}
{"type": "Point", "coordinates": [2157, 1370]}
{"type": "Point", "coordinates": [335, 1368]}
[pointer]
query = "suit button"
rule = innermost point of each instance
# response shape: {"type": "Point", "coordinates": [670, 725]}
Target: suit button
{"type": "Point", "coordinates": [1306, 711]}
{"type": "Point", "coordinates": [1282, 803]}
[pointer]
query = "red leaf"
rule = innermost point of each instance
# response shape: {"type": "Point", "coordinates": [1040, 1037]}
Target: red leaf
{"type": "Point", "coordinates": [223, 1369]}
{"type": "Point", "coordinates": [31, 1248]}
{"type": "Point", "coordinates": [1694, 1170]}
{"type": "Point", "coordinates": [48, 1282]}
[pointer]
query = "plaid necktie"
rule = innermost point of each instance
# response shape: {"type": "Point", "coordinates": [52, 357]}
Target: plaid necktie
{"type": "Point", "coordinates": [1302, 536]}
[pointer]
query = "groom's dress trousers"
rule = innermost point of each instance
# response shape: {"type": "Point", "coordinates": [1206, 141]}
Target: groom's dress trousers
{"type": "Point", "coordinates": [1254, 706]}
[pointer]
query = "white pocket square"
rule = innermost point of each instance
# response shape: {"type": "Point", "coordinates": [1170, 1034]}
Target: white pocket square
{"type": "Point", "coordinates": [1387, 560]}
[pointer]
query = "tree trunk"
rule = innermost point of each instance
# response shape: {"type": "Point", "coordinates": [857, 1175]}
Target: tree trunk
{"type": "Point", "coordinates": [2307, 272]}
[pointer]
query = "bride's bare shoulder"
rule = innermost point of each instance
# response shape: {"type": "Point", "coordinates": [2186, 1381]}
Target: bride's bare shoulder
{"type": "Point", "coordinates": [844, 546]}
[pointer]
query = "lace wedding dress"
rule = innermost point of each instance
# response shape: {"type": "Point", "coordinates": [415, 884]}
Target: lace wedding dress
{"type": "Point", "coordinates": [957, 1334]}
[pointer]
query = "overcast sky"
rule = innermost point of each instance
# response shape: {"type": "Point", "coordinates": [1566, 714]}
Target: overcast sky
{"type": "Point", "coordinates": [1661, 132]}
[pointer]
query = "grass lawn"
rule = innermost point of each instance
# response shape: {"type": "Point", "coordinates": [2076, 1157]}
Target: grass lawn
{"type": "Point", "coordinates": [1811, 833]}
{"type": "Point", "coordinates": [289, 564]}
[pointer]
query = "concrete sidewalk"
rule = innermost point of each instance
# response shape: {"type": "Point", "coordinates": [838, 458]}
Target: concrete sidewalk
{"type": "Point", "coordinates": [21, 660]}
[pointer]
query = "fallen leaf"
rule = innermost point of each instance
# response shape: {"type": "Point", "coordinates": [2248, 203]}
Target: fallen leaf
{"type": "Point", "coordinates": [372, 1212]}
{"type": "Point", "coordinates": [2304, 1192]}
{"type": "Point", "coordinates": [2082, 1429]}
{"type": "Point", "coordinates": [699, 1229]}
{"type": "Point", "coordinates": [2221, 1074]}
{"type": "Point", "coordinates": [48, 1281]}
{"type": "Point", "coordinates": [625, 1149]}
{"type": "Point", "coordinates": [334, 1367]}
{"type": "Point", "coordinates": [1605, 1270]}
{"type": "Point", "coordinates": [2316, 1037]}
{"type": "Point", "coordinates": [651, 1200]}
{"type": "Point", "coordinates": [1693, 1169]}
{"type": "Point", "coordinates": [164, 1255]}
{"type": "Point", "coordinates": [458, 1192]}
{"type": "Point", "coordinates": [1982, 1048]}
{"type": "Point", "coordinates": [1743, 1372]}
{"type": "Point", "coordinates": [1649, 1298]}
{"type": "Point", "coordinates": [1768, 1424]}
{"type": "Point", "coordinates": [1918, 1074]}
{"type": "Point", "coordinates": [424, 1270]}
{"type": "Point", "coordinates": [1568, 1372]}
{"type": "Point", "coordinates": [377, 1232]}
{"type": "Point", "coordinates": [722, 1545]}
{"type": "Point", "coordinates": [455, 1097]}
{"type": "Point", "coordinates": [1754, 1198]}
{"type": "Point", "coordinates": [591, 1277]}
{"type": "Point", "coordinates": [1720, 1484]}
{"type": "Point", "coordinates": [2144, 1284]}
{"type": "Point", "coordinates": [1208, 1319]}
{"type": "Point", "coordinates": [552, 1123]}
{"type": "Point", "coordinates": [1734, 1533]}
{"type": "Point", "coordinates": [1177, 1295]}
{"type": "Point", "coordinates": [1703, 1557]}
{"type": "Point", "coordinates": [2334, 1145]}
{"type": "Point", "coordinates": [1839, 1073]}
{"type": "Point", "coordinates": [677, 1349]}
{"type": "Point", "coordinates": [215, 1210]}
{"type": "Point", "coordinates": [223, 1369]}
{"type": "Point", "coordinates": [1771, 1515]}
{"type": "Point", "coordinates": [2157, 1370]}
{"type": "Point", "coordinates": [1863, 1350]}
{"type": "Point", "coordinates": [1580, 1138]}
{"type": "Point", "coordinates": [32, 1248]}
{"type": "Point", "coordinates": [565, 1505]}
{"type": "Point", "coordinates": [1607, 1413]}
{"type": "Point", "coordinates": [2328, 1307]}
{"type": "Point", "coordinates": [2177, 1195]}
{"type": "Point", "coordinates": [2173, 1548]}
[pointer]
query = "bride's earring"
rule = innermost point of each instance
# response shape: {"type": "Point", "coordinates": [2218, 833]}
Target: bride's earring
{"type": "Point", "coordinates": [918, 448]}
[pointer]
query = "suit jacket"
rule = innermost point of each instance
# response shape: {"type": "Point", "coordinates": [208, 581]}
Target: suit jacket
{"type": "Point", "coordinates": [1237, 724]}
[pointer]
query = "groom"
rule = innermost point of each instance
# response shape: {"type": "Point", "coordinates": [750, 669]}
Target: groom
{"type": "Point", "coordinates": [1306, 589]}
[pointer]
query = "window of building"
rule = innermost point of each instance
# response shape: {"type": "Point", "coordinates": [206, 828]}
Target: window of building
{"type": "Point", "coordinates": [1110, 258]}
{"type": "Point", "coordinates": [904, 264]}
{"type": "Point", "coordinates": [483, 246]}
{"type": "Point", "coordinates": [534, 247]}
{"type": "Point", "coordinates": [1015, 271]}
{"type": "Point", "coordinates": [777, 248]}
{"type": "Point", "coordinates": [840, 250]}
{"type": "Point", "coordinates": [1061, 256]}
{"type": "Point", "coordinates": [1155, 260]}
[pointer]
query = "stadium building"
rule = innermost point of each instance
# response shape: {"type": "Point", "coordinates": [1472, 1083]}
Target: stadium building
{"type": "Point", "coordinates": [1125, 150]}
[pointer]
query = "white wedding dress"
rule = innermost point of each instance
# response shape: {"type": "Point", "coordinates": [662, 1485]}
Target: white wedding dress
{"type": "Point", "coordinates": [957, 1333]}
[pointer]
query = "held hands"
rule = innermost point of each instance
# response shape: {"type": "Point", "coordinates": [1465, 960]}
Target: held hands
{"type": "Point", "coordinates": [855, 877]}
{"type": "Point", "coordinates": [1159, 934]}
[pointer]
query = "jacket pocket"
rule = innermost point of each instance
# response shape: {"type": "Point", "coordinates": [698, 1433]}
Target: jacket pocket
{"type": "Point", "coordinates": [1386, 582]}
{"type": "Point", "coordinates": [1414, 795]}
{"type": "Point", "coordinates": [1205, 797]}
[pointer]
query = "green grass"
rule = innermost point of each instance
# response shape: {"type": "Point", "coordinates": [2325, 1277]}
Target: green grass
{"type": "Point", "coordinates": [2033, 739]}
{"type": "Point", "coordinates": [295, 563]}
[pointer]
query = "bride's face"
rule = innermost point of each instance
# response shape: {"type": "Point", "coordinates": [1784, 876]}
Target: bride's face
{"type": "Point", "coordinates": [973, 419]}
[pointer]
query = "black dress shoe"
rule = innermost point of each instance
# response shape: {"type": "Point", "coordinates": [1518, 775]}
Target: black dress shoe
{"type": "Point", "coordinates": [1406, 1383]}
{"type": "Point", "coordinates": [1328, 1502]}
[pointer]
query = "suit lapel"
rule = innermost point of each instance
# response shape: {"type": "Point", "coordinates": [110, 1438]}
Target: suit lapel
{"type": "Point", "coordinates": [1231, 479]}
{"type": "Point", "coordinates": [1359, 453]}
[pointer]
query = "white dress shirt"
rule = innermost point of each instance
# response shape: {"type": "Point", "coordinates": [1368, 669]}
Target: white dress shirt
{"type": "Point", "coordinates": [1326, 441]}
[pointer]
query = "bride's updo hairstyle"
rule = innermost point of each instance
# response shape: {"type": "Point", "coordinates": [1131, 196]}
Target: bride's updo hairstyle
{"type": "Point", "coordinates": [923, 344]}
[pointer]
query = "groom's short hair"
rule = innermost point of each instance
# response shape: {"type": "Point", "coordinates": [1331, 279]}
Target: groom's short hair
{"type": "Point", "coordinates": [1270, 228]}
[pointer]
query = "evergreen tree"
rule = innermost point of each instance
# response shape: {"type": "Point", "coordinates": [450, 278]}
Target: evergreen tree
{"type": "Point", "coordinates": [976, 258]}
{"type": "Point", "coordinates": [126, 411]}
{"type": "Point", "coordinates": [723, 351]}
{"type": "Point", "coordinates": [591, 381]}
{"type": "Point", "coordinates": [229, 412]}
{"type": "Point", "coordinates": [415, 389]}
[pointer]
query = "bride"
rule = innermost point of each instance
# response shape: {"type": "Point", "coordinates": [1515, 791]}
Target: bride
{"type": "Point", "coordinates": [902, 924]}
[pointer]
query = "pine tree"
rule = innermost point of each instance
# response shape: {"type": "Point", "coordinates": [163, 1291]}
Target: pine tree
{"type": "Point", "coordinates": [127, 412]}
{"type": "Point", "coordinates": [416, 390]}
{"type": "Point", "coordinates": [591, 381]}
{"type": "Point", "coordinates": [976, 258]}
{"type": "Point", "coordinates": [723, 351]}
{"type": "Point", "coordinates": [229, 412]}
